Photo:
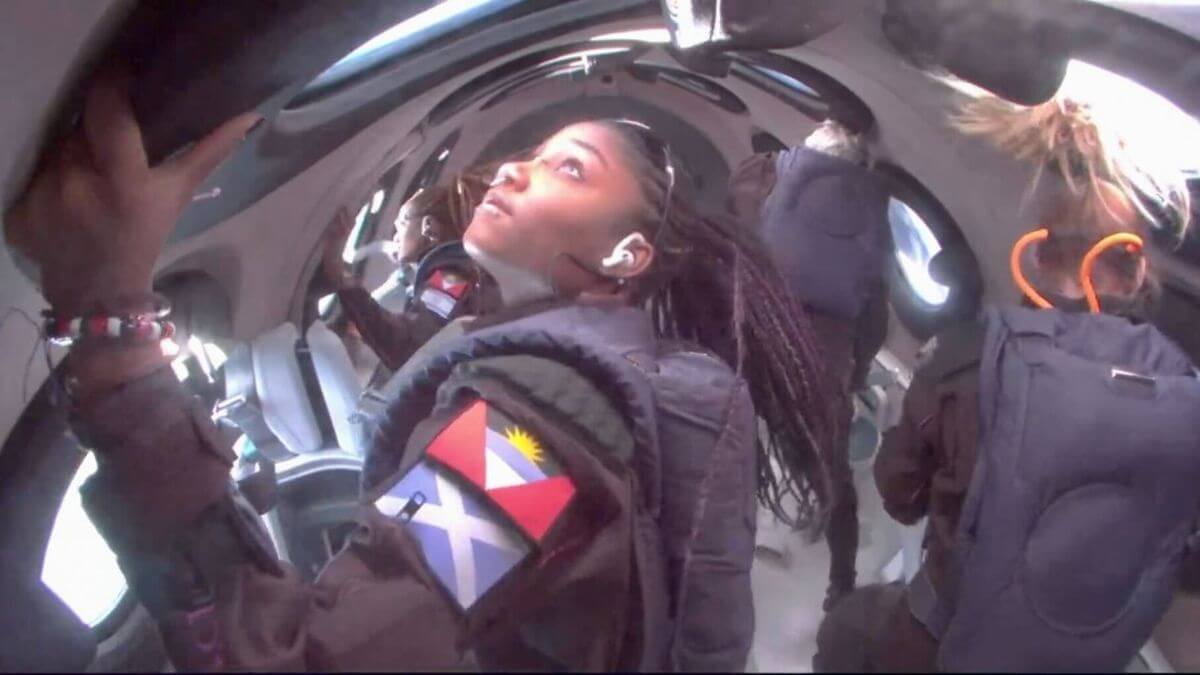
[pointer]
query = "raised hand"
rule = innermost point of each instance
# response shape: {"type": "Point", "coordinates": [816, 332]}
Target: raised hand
{"type": "Point", "coordinates": [96, 215]}
{"type": "Point", "coordinates": [333, 267]}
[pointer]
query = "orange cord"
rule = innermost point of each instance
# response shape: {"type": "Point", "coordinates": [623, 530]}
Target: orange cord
{"type": "Point", "coordinates": [1131, 241]}
{"type": "Point", "coordinates": [1015, 266]}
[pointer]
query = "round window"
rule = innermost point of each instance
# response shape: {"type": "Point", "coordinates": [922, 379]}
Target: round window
{"type": "Point", "coordinates": [916, 245]}
{"type": "Point", "coordinates": [79, 567]}
{"type": "Point", "coordinates": [923, 231]}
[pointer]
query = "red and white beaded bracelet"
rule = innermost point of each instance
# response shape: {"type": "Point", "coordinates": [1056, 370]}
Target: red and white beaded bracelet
{"type": "Point", "coordinates": [139, 327]}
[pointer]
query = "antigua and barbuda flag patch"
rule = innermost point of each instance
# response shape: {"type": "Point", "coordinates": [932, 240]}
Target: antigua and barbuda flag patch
{"type": "Point", "coordinates": [485, 492]}
{"type": "Point", "coordinates": [443, 291]}
{"type": "Point", "coordinates": [508, 463]}
{"type": "Point", "coordinates": [469, 546]}
{"type": "Point", "coordinates": [450, 283]}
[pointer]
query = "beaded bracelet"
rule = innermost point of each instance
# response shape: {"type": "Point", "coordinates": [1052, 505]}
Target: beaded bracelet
{"type": "Point", "coordinates": [137, 317]}
{"type": "Point", "coordinates": [137, 327]}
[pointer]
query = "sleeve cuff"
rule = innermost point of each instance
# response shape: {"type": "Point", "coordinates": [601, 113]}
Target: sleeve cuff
{"type": "Point", "coordinates": [161, 460]}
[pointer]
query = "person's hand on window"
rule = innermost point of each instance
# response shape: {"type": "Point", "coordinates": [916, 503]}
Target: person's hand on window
{"type": "Point", "coordinates": [333, 266]}
{"type": "Point", "coordinates": [96, 215]}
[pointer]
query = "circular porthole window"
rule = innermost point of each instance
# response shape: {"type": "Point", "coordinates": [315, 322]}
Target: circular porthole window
{"type": "Point", "coordinates": [79, 566]}
{"type": "Point", "coordinates": [916, 245]}
{"type": "Point", "coordinates": [935, 279]}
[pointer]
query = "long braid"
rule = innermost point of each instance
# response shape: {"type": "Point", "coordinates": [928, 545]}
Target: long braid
{"type": "Point", "coordinates": [714, 283]}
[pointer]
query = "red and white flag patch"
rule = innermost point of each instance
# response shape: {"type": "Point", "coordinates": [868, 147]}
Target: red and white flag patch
{"type": "Point", "coordinates": [443, 291]}
{"type": "Point", "coordinates": [508, 464]}
{"type": "Point", "coordinates": [449, 283]}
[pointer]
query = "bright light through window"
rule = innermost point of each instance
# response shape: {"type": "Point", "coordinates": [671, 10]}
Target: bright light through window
{"type": "Point", "coordinates": [655, 35]}
{"type": "Point", "coordinates": [208, 355]}
{"type": "Point", "coordinates": [787, 81]}
{"type": "Point", "coordinates": [377, 201]}
{"type": "Point", "coordinates": [915, 247]}
{"type": "Point", "coordinates": [413, 32]}
{"type": "Point", "coordinates": [584, 54]}
{"type": "Point", "coordinates": [216, 355]}
{"type": "Point", "coordinates": [324, 303]}
{"type": "Point", "coordinates": [79, 566]}
{"type": "Point", "coordinates": [169, 347]}
{"type": "Point", "coordinates": [179, 367]}
{"type": "Point", "coordinates": [1160, 130]}
{"type": "Point", "coordinates": [351, 246]}
{"type": "Point", "coordinates": [197, 349]}
{"type": "Point", "coordinates": [690, 28]}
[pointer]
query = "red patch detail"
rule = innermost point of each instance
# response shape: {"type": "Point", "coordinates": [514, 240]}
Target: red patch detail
{"type": "Point", "coordinates": [460, 445]}
{"type": "Point", "coordinates": [453, 285]}
{"type": "Point", "coordinates": [98, 325]}
{"type": "Point", "coordinates": [535, 506]}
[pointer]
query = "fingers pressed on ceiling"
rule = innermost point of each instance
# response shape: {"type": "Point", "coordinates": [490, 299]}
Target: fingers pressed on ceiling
{"type": "Point", "coordinates": [113, 136]}
{"type": "Point", "coordinates": [210, 151]}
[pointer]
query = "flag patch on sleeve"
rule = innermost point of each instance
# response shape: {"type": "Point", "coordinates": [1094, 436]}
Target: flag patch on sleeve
{"type": "Point", "coordinates": [443, 291]}
{"type": "Point", "coordinates": [508, 463]}
{"type": "Point", "coordinates": [468, 545]}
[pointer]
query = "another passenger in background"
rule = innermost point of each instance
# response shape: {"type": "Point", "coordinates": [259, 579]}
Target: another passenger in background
{"type": "Point", "coordinates": [446, 285]}
{"type": "Point", "coordinates": [823, 215]}
{"type": "Point", "coordinates": [1054, 450]}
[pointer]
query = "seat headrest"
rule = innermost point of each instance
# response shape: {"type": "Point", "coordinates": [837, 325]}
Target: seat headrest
{"type": "Point", "coordinates": [281, 392]}
{"type": "Point", "coordinates": [339, 384]}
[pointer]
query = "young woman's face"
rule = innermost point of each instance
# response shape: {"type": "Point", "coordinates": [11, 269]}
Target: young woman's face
{"type": "Point", "coordinates": [408, 233]}
{"type": "Point", "coordinates": [575, 198]}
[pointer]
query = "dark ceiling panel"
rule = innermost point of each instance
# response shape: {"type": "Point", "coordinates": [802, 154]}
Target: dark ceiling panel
{"type": "Point", "coordinates": [271, 156]}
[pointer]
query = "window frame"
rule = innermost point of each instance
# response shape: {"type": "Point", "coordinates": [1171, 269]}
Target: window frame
{"type": "Point", "coordinates": [919, 317]}
{"type": "Point", "coordinates": [834, 100]}
{"type": "Point", "coordinates": [341, 74]}
{"type": "Point", "coordinates": [905, 273]}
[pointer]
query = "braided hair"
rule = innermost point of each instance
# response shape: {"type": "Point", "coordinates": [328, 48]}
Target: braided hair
{"type": "Point", "coordinates": [714, 283]}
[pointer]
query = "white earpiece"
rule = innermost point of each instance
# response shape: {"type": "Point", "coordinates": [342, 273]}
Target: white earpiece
{"type": "Point", "coordinates": [621, 255]}
{"type": "Point", "coordinates": [502, 176]}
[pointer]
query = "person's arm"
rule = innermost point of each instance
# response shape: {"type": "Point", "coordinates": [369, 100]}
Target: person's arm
{"type": "Point", "coordinates": [393, 337]}
{"type": "Point", "coordinates": [716, 612]}
{"type": "Point", "coordinates": [905, 465]}
{"type": "Point", "coordinates": [94, 219]}
{"type": "Point", "coordinates": [196, 556]}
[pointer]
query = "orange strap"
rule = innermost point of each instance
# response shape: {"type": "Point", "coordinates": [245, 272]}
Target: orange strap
{"type": "Point", "coordinates": [1015, 265]}
{"type": "Point", "coordinates": [1089, 261]}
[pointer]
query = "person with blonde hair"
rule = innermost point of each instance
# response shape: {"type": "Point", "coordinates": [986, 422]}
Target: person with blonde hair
{"type": "Point", "coordinates": [1054, 447]}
